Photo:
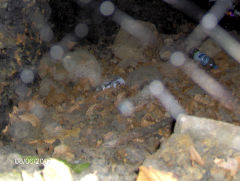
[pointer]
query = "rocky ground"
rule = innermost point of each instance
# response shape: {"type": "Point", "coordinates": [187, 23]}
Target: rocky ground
{"type": "Point", "coordinates": [53, 106]}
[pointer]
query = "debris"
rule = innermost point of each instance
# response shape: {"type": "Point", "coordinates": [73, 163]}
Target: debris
{"type": "Point", "coordinates": [231, 164]}
{"type": "Point", "coordinates": [203, 59]}
{"type": "Point", "coordinates": [195, 157]}
{"type": "Point", "coordinates": [63, 151]}
{"type": "Point", "coordinates": [233, 13]}
{"type": "Point", "coordinates": [27, 117]}
{"type": "Point", "coordinates": [138, 133]}
{"type": "Point", "coordinates": [113, 83]}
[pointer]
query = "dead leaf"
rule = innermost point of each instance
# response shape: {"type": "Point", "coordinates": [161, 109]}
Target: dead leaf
{"type": "Point", "coordinates": [151, 107]}
{"type": "Point", "coordinates": [195, 156]}
{"type": "Point", "coordinates": [34, 141]}
{"type": "Point", "coordinates": [73, 108]}
{"type": "Point", "coordinates": [140, 107]}
{"type": "Point", "coordinates": [231, 165]}
{"type": "Point", "coordinates": [17, 57]}
{"type": "Point", "coordinates": [20, 38]}
{"type": "Point", "coordinates": [23, 106]}
{"type": "Point", "coordinates": [107, 136]}
{"type": "Point", "coordinates": [99, 143]}
{"type": "Point", "coordinates": [147, 120]}
{"type": "Point", "coordinates": [120, 97]}
{"type": "Point", "coordinates": [150, 174]}
{"type": "Point", "coordinates": [50, 141]}
{"type": "Point", "coordinates": [5, 130]}
{"type": "Point", "coordinates": [53, 98]}
{"type": "Point", "coordinates": [30, 118]}
{"type": "Point", "coordinates": [204, 99]}
{"type": "Point", "coordinates": [63, 151]}
{"type": "Point", "coordinates": [238, 160]}
{"type": "Point", "coordinates": [71, 133]}
{"type": "Point", "coordinates": [90, 110]}
{"type": "Point", "coordinates": [41, 150]}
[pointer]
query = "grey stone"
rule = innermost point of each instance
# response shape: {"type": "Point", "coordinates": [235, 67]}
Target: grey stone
{"type": "Point", "coordinates": [20, 129]}
{"type": "Point", "coordinates": [225, 116]}
{"type": "Point", "coordinates": [128, 47]}
{"type": "Point", "coordinates": [142, 75]}
{"type": "Point", "coordinates": [196, 90]}
{"type": "Point", "coordinates": [82, 64]}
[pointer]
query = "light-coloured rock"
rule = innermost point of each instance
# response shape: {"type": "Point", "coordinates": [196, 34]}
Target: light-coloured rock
{"type": "Point", "coordinates": [126, 63]}
{"type": "Point", "coordinates": [81, 64]}
{"type": "Point", "coordinates": [198, 127]}
{"type": "Point", "coordinates": [173, 156]}
{"type": "Point", "coordinates": [75, 65]}
{"type": "Point", "coordinates": [127, 47]}
{"type": "Point", "coordinates": [191, 153]}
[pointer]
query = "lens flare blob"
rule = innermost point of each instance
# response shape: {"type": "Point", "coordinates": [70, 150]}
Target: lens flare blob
{"type": "Point", "coordinates": [107, 8]}
{"type": "Point", "coordinates": [56, 52]}
{"type": "Point", "coordinates": [27, 76]}
{"type": "Point", "coordinates": [209, 21]}
{"type": "Point", "coordinates": [177, 58]}
{"type": "Point", "coordinates": [81, 30]}
{"type": "Point", "coordinates": [126, 108]}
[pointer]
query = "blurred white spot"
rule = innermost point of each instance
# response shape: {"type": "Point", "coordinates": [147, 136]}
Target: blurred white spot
{"type": "Point", "coordinates": [126, 108]}
{"type": "Point", "coordinates": [158, 90]}
{"type": "Point", "coordinates": [156, 87]}
{"type": "Point", "coordinates": [209, 21]}
{"type": "Point", "coordinates": [27, 176]}
{"type": "Point", "coordinates": [81, 30]}
{"type": "Point", "coordinates": [90, 177]}
{"type": "Point", "coordinates": [46, 33]}
{"type": "Point", "coordinates": [177, 58]}
{"type": "Point", "coordinates": [69, 64]}
{"type": "Point", "coordinates": [56, 52]}
{"type": "Point", "coordinates": [27, 76]}
{"type": "Point", "coordinates": [107, 8]}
